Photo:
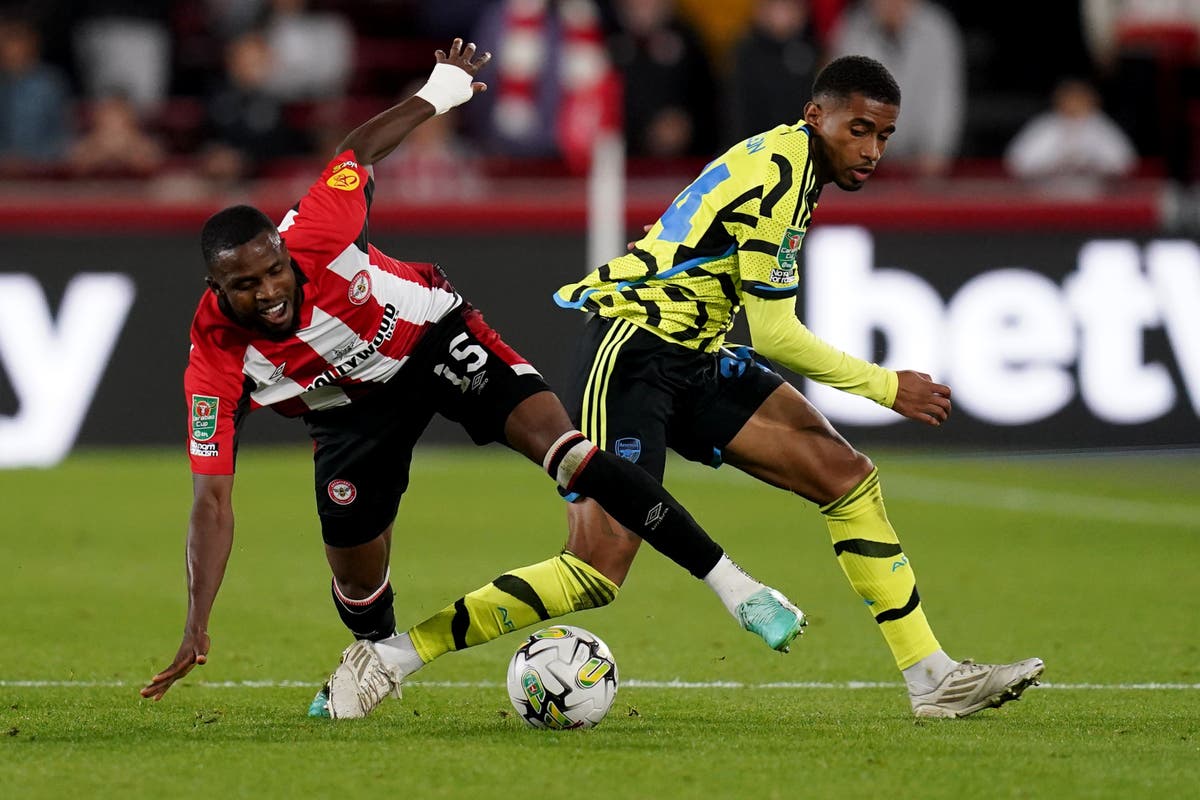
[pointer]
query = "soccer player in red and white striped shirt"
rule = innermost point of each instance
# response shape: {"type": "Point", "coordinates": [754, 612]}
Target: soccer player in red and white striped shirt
{"type": "Point", "coordinates": [310, 319]}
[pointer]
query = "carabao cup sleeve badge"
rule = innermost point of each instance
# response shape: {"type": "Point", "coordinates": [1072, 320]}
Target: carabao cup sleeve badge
{"type": "Point", "coordinates": [204, 417]}
{"type": "Point", "coordinates": [788, 247]}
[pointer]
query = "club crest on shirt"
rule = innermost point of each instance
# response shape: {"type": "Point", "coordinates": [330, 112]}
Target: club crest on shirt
{"type": "Point", "coordinates": [788, 247]}
{"type": "Point", "coordinates": [204, 417]}
{"type": "Point", "coordinates": [344, 179]}
{"type": "Point", "coordinates": [360, 287]}
{"type": "Point", "coordinates": [342, 492]}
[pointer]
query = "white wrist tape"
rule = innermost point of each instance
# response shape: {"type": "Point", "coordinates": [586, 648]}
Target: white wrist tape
{"type": "Point", "coordinates": [448, 86]}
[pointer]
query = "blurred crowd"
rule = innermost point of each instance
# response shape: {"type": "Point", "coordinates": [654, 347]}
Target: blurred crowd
{"type": "Point", "coordinates": [1072, 92]}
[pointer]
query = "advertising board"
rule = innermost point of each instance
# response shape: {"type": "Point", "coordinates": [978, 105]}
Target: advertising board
{"type": "Point", "coordinates": [1048, 340]}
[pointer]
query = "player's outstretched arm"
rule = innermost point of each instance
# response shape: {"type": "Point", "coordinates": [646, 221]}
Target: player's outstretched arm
{"type": "Point", "coordinates": [209, 541]}
{"type": "Point", "coordinates": [920, 398]}
{"type": "Point", "coordinates": [450, 84]}
{"type": "Point", "coordinates": [780, 336]}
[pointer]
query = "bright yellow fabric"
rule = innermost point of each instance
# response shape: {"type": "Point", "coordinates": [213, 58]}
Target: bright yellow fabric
{"type": "Point", "coordinates": [779, 335]}
{"type": "Point", "coordinates": [735, 230]}
{"type": "Point", "coordinates": [869, 553]}
{"type": "Point", "coordinates": [514, 600]}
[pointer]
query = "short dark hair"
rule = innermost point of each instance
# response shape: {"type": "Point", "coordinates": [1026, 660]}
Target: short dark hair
{"type": "Point", "coordinates": [849, 75]}
{"type": "Point", "coordinates": [230, 228]}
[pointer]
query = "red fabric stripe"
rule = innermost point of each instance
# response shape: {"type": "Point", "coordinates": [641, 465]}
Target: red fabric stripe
{"type": "Point", "coordinates": [486, 334]}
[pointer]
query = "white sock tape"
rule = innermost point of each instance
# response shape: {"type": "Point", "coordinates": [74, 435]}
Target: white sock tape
{"type": "Point", "coordinates": [554, 448]}
{"type": "Point", "coordinates": [572, 461]}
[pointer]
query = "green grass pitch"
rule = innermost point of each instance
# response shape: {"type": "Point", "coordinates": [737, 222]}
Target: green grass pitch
{"type": "Point", "coordinates": [1088, 562]}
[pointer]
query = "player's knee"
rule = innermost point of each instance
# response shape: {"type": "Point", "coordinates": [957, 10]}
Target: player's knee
{"type": "Point", "coordinates": [842, 473]}
{"type": "Point", "coordinates": [855, 469]}
{"type": "Point", "coordinates": [535, 424]}
{"type": "Point", "coordinates": [859, 466]}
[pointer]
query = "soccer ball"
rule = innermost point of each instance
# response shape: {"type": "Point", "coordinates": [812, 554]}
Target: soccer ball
{"type": "Point", "coordinates": [562, 677]}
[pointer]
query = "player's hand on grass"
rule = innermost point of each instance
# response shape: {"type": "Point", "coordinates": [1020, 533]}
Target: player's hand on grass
{"type": "Point", "coordinates": [193, 651]}
{"type": "Point", "coordinates": [463, 57]}
{"type": "Point", "coordinates": [920, 398]}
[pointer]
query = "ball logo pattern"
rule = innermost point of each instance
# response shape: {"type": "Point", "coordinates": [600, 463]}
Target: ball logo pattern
{"type": "Point", "coordinates": [562, 677]}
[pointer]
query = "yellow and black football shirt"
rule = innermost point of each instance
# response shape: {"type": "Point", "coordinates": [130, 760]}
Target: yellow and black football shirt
{"type": "Point", "coordinates": [737, 228]}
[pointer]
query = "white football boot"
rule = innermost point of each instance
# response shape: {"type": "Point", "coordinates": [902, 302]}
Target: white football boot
{"type": "Point", "coordinates": [972, 687]}
{"type": "Point", "coordinates": [357, 686]}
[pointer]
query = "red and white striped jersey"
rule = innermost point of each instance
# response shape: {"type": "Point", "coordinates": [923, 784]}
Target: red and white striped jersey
{"type": "Point", "coordinates": [361, 315]}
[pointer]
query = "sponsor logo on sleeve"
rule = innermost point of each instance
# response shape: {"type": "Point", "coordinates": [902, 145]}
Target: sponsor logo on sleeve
{"type": "Point", "coordinates": [204, 417]}
{"type": "Point", "coordinates": [656, 515]}
{"type": "Point", "coordinates": [360, 287]}
{"type": "Point", "coordinates": [344, 179]}
{"type": "Point", "coordinates": [342, 492]}
{"type": "Point", "coordinates": [788, 247]}
{"type": "Point", "coordinates": [204, 449]}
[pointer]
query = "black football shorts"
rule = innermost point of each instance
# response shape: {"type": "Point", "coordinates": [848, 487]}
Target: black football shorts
{"type": "Point", "coordinates": [635, 394]}
{"type": "Point", "coordinates": [460, 369]}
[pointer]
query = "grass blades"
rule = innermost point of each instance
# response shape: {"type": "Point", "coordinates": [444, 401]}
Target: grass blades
{"type": "Point", "coordinates": [1088, 562]}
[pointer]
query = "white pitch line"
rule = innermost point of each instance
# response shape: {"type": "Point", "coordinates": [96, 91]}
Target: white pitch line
{"type": "Point", "coordinates": [633, 683]}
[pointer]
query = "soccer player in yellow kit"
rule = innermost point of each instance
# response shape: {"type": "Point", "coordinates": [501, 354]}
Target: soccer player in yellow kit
{"type": "Point", "coordinates": [656, 373]}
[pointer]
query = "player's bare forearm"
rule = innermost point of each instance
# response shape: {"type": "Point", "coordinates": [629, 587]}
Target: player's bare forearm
{"type": "Point", "coordinates": [209, 542]}
{"type": "Point", "coordinates": [381, 134]}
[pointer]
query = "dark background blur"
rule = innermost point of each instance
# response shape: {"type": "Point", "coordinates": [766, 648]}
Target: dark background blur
{"type": "Point", "coordinates": [1030, 133]}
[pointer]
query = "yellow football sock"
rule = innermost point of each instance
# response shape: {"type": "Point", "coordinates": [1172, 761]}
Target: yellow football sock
{"type": "Point", "coordinates": [512, 601]}
{"type": "Point", "coordinates": [870, 555]}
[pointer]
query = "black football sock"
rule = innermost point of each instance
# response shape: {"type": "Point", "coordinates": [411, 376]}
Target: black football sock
{"type": "Point", "coordinates": [370, 618]}
{"type": "Point", "coordinates": [633, 498]}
